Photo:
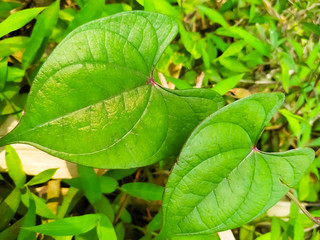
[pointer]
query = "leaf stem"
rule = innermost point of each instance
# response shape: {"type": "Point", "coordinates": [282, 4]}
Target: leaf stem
{"type": "Point", "coordinates": [303, 209]}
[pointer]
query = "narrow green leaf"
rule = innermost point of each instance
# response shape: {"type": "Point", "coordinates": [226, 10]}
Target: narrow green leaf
{"type": "Point", "coordinates": [105, 229]}
{"type": "Point", "coordinates": [297, 48]}
{"type": "Point", "coordinates": [11, 45]}
{"type": "Point", "coordinates": [15, 167]}
{"type": "Point", "coordinates": [224, 86]}
{"type": "Point", "coordinates": [146, 191]}
{"type": "Point", "coordinates": [213, 15]}
{"type": "Point", "coordinates": [221, 180]}
{"type": "Point", "coordinates": [41, 32]}
{"type": "Point", "coordinates": [118, 174]}
{"type": "Point", "coordinates": [8, 208]}
{"type": "Point", "coordinates": [233, 49]}
{"type": "Point", "coordinates": [96, 87]}
{"type": "Point", "coordinates": [68, 226]}
{"type": "Point", "coordinates": [156, 223]}
{"type": "Point", "coordinates": [18, 20]}
{"type": "Point", "coordinates": [42, 177]}
{"type": "Point", "coordinates": [285, 76]}
{"type": "Point", "coordinates": [311, 60]}
{"type": "Point", "coordinates": [41, 207]}
{"type": "Point", "coordinates": [90, 183]}
{"type": "Point", "coordinates": [29, 220]}
{"type": "Point", "coordinates": [12, 232]}
{"type": "Point", "coordinates": [180, 84]}
{"type": "Point", "coordinates": [3, 73]}
{"type": "Point", "coordinates": [104, 207]}
{"type": "Point", "coordinates": [69, 201]}
{"type": "Point", "coordinates": [233, 64]}
{"type": "Point", "coordinates": [312, 27]}
{"type": "Point", "coordinates": [249, 38]}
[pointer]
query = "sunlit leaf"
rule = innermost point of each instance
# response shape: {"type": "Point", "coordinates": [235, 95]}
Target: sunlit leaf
{"type": "Point", "coordinates": [94, 101]}
{"type": "Point", "coordinates": [147, 191]}
{"type": "Point", "coordinates": [18, 20]}
{"type": "Point", "coordinates": [221, 180]}
{"type": "Point", "coordinates": [68, 226]}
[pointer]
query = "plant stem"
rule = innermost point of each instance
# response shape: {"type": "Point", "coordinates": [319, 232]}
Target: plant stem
{"type": "Point", "coordinates": [125, 199]}
{"type": "Point", "coordinates": [303, 209]}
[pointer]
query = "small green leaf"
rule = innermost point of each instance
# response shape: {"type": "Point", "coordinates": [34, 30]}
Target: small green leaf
{"type": "Point", "coordinates": [146, 191]}
{"type": "Point", "coordinates": [68, 226]}
{"type": "Point", "coordinates": [107, 184]}
{"type": "Point", "coordinates": [8, 207]}
{"type": "Point", "coordinates": [41, 33]}
{"type": "Point", "coordinates": [15, 167]}
{"type": "Point", "coordinates": [213, 15]}
{"type": "Point", "coordinates": [41, 207]}
{"type": "Point", "coordinates": [224, 86]}
{"type": "Point", "coordinates": [18, 20]}
{"type": "Point", "coordinates": [221, 180]}
{"type": "Point", "coordinates": [105, 229]}
{"type": "Point", "coordinates": [233, 49]}
{"type": "Point", "coordinates": [42, 177]}
{"type": "Point", "coordinates": [96, 87]}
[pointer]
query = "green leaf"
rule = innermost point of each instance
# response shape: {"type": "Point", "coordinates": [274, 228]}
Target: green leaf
{"type": "Point", "coordinates": [42, 177]}
{"type": "Point", "coordinates": [224, 86]}
{"type": "Point", "coordinates": [29, 220]}
{"type": "Point", "coordinates": [233, 65]}
{"type": "Point", "coordinates": [11, 45]}
{"type": "Point", "coordinates": [221, 180]}
{"type": "Point", "coordinates": [146, 191]}
{"type": "Point", "coordinates": [68, 226]}
{"type": "Point", "coordinates": [104, 207]}
{"type": "Point", "coordinates": [311, 27]}
{"type": "Point", "coordinates": [249, 38]}
{"type": "Point", "coordinates": [107, 184]}
{"type": "Point", "coordinates": [105, 229]}
{"type": "Point", "coordinates": [40, 33]}
{"type": "Point", "coordinates": [233, 49]}
{"type": "Point", "coordinates": [96, 88]}
{"type": "Point", "coordinates": [12, 232]}
{"type": "Point", "coordinates": [7, 6]}
{"type": "Point", "coordinates": [41, 207]}
{"type": "Point", "coordinates": [3, 72]}
{"type": "Point", "coordinates": [15, 167]}
{"type": "Point", "coordinates": [18, 20]}
{"type": "Point", "coordinates": [90, 183]}
{"type": "Point", "coordinates": [8, 207]}
{"type": "Point", "coordinates": [213, 15]}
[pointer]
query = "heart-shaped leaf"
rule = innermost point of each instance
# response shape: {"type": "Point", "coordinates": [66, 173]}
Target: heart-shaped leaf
{"type": "Point", "coordinates": [221, 180]}
{"type": "Point", "coordinates": [94, 101]}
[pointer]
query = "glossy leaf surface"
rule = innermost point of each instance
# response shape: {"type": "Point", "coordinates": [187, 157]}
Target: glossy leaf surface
{"type": "Point", "coordinates": [94, 101]}
{"type": "Point", "coordinates": [68, 226]}
{"type": "Point", "coordinates": [221, 180]}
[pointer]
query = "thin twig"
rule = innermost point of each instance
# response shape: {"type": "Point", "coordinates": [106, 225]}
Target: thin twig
{"type": "Point", "coordinates": [125, 199]}
{"type": "Point", "coordinates": [303, 209]}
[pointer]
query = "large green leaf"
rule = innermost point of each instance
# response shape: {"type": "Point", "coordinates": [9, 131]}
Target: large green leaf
{"type": "Point", "coordinates": [221, 180]}
{"type": "Point", "coordinates": [94, 101]}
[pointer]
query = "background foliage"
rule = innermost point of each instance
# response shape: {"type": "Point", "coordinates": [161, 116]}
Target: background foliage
{"type": "Point", "coordinates": [235, 47]}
